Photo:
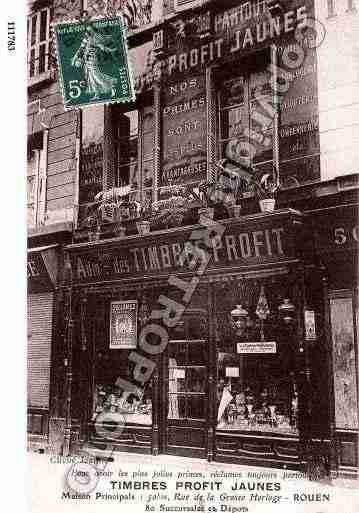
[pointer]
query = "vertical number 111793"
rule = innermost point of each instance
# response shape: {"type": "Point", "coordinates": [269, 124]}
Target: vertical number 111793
{"type": "Point", "coordinates": [11, 36]}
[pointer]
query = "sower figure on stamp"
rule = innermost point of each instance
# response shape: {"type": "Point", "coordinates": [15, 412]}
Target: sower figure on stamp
{"type": "Point", "coordinates": [89, 56]}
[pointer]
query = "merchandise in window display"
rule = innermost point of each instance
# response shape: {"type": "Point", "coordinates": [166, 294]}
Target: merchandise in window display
{"type": "Point", "coordinates": [109, 399]}
{"type": "Point", "coordinates": [249, 411]}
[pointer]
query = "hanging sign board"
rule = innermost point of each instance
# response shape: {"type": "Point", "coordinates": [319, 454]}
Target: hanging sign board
{"type": "Point", "coordinates": [257, 347]}
{"type": "Point", "coordinates": [123, 325]}
{"type": "Point", "coordinates": [232, 372]}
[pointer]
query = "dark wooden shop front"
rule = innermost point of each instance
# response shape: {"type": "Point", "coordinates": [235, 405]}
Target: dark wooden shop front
{"type": "Point", "coordinates": [234, 380]}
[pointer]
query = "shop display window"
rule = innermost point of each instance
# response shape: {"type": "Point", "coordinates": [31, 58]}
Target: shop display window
{"type": "Point", "coordinates": [257, 387]}
{"type": "Point", "coordinates": [109, 398]}
{"type": "Point", "coordinates": [254, 393]}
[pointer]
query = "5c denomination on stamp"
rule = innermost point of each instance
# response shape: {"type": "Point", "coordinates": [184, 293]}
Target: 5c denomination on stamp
{"type": "Point", "coordinates": [93, 62]}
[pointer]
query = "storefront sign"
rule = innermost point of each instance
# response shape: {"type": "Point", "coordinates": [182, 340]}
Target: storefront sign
{"type": "Point", "coordinates": [184, 131]}
{"type": "Point", "coordinates": [257, 348]}
{"type": "Point", "coordinates": [237, 31]}
{"type": "Point", "coordinates": [337, 230]}
{"type": "Point", "coordinates": [262, 240]}
{"type": "Point", "coordinates": [42, 267]}
{"type": "Point", "coordinates": [299, 118]}
{"type": "Point", "coordinates": [241, 15]}
{"type": "Point", "coordinates": [123, 325]}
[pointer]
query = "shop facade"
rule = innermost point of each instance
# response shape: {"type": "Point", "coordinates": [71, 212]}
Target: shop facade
{"type": "Point", "coordinates": [261, 363]}
{"type": "Point", "coordinates": [233, 375]}
{"type": "Point", "coordinates": [336, 237]}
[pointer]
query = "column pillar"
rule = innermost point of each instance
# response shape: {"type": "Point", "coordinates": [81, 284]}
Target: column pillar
{"type": "Point", "coordinates": [156, 138]}
{"type": "Point", "coordinates": [328, 344]}
{"type": "Point", "coordinates": [274, 62]}
{"type": "Point", "coordinates": [109, 148]}
{"type": "Point", "coordinates": [212, 361]}
{"type": "Point", "coordinates": [303, 365]}
{"type": "Point", "coordinates": [69, 374]}
{"type": "Point", "coordinates": [211, 124]}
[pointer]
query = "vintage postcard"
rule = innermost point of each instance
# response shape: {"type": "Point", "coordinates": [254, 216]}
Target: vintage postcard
{"type": "Point", "coordinates": [192, 255]}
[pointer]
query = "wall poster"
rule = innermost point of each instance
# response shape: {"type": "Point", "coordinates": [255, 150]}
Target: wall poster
{"type": "Point", "coordinates": [123, 325]}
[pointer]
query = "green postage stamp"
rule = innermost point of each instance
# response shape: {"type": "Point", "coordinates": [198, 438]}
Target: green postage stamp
{"type": "Point", "coordinates": [93, 62]}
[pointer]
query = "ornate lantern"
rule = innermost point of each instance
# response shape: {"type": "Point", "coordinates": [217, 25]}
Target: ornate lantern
{"type": "Point", "coordinates": [239, 317]}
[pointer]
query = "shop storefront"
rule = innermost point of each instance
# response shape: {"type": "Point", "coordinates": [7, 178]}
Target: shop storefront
{"type": "Point", "coordinates": [42, 278]}
{"type": "Point", "coordinates": [261, 365]}
{"type": "Point", "coordinates": [337, 237]}
{"type": "Point", "coordinates": [234, 380]}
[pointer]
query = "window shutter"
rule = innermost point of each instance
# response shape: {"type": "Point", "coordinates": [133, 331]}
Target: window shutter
{"type": "Point", "coordinates": [40, 314]}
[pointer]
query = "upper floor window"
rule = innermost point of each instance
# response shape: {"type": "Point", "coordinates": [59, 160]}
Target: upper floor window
{"type": "Point", "coordinates": [352, 5]}
{"type": "Point", "coordinates": [36, 173]}
{"type": "Point", "coordinates": [331, 8]}
{"type": "Point", "coordinates": [134, 136]}
{"type": "Point", "coordinates": [245, 127]}
{"type": "Point", "coordinates": [38, 43]}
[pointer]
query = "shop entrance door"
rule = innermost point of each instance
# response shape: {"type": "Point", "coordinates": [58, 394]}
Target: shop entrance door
{"type": "Point", "coordinates": [186, 398]}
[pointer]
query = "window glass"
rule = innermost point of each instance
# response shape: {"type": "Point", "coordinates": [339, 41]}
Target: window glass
{"type": "Point", "coordinates": [112, 364]}
{"type": "Point", "coordinates": [344, 368]}
{"type": "Point", "coordinates": [147, 145]}
{"type": "Point", "coordinates": [234, 121]}
{"type": "Point", "coordinates": [38, 42]}
{"type": "Point", "coordinates": [32, 63]}
{"type": "Point", "coordinates": [147, 196]}
{"type": "Point", "coordinates": [148, 119]}
{"type": "Point", "coordinates": [42, 56]}
{"type": "Point", "coordinates": [148, 173]}
{"type": "Point", "coordinates": [33, 29]}
{"type": "Point", "coordinates": [186, 380]}
{"type": "Point", "coordinates": [246, 128]}
{"type": "Point", "coordinates": [257, 379]}
{"type": "Point", "coordinates": [32, 171]}
{"type": "Point", "coordinates": [43, 25]}
{"type": "Point", "coordinates": [130, 170]}
{"type": "Point", "coordinates": [147, 154]}
{"type": "Point", "coordinates": [257, 393]}
{"type": "Point", "coordinates": [233, 92]}
{"type": "Point", "coordinates": [260, 84]}
{"type": "Point", "coordinates": [30, 200]}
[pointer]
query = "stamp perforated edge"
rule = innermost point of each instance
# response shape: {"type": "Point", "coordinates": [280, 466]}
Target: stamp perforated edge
{"type": "Point", "coordinates": [123, 31]}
